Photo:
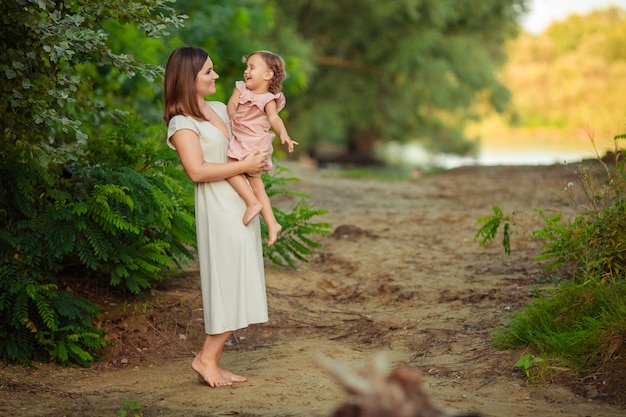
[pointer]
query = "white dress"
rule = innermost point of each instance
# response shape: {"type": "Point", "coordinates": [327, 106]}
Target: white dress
{"type": "Point", "coordinates": [230, 254]}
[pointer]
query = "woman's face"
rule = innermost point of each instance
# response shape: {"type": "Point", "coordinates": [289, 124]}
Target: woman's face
{"type": "Point", "coordinates": [205, 79]}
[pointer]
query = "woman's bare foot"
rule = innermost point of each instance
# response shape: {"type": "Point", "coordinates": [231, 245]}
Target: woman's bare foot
{"type": "Point", "coordinates": [272, 232]}
{"type": "Point", "coordinates": [229, 376]}
{"type": "Point", "coordinates": [251, 213]}
{"type": "Point", "coordinates": [210, 375]}
{"type": "Point", "coordinates": [232, 377]}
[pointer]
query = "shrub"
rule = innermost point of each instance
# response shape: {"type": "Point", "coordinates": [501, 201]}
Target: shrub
{"type": "Point", "coordinates": [581, 322]}
{"type": "Point", "coordinates": [294, 243]}
{"type": "Point", "coordinates": [593, 245]}
{"type": "Point", "coordinates": [86, 217]}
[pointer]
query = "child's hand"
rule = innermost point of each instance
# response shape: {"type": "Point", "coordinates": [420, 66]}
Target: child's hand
{"type": "Point", "coordinates": [284, 138]}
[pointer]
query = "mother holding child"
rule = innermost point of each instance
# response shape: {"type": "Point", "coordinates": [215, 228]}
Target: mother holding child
{"type": "Point", "coordinates": [229, 249]}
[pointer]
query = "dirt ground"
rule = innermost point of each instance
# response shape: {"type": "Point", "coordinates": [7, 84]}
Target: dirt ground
{"type": "Point", "coordinates": [401, 276]}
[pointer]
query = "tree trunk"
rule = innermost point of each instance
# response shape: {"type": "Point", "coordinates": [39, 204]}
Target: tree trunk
{"type": "Point", "coordinates": [360, 145]}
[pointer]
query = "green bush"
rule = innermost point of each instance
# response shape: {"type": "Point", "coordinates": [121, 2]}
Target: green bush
{"type": "Point", "coordinates": [581, 323]}
{"type": "Point", "coordinates": [294, 243]}
{"type": "Point", "coordinates": [68, 208]}
{"type": "Point", "coordinates": [84, 216]}
{"type": "Point", "coordinates": [593, 245]}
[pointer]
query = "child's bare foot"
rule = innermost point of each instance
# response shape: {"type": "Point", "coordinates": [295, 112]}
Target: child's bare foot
{"type": "Point", "coordinates": [251, 212]}
{"type": "Point", "coordinates": [272, 232]}
{"type": "Point", "coordinates": [212, 376]}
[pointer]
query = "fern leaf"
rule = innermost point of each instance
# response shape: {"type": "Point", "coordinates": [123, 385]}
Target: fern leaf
{"type": "Point", "coordinates": [81, 355]}
{"type": "Point", "coordinates": [46, 313]}
{"type": "Point", "coordinates": [60, 352]}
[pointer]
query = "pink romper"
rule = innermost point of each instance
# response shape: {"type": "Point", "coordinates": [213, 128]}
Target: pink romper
{"type": "Point", "coordinates": [252, 130]}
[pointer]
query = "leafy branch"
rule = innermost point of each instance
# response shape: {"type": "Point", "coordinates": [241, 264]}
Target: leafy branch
{"type": "Point", "coordinates": [488, 232]}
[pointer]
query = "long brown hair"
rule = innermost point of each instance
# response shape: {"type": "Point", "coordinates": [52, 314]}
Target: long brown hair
{"type": "Point", "coordinates": [277, 65]}
{"type": "Point", "coordinates": [179, 94]}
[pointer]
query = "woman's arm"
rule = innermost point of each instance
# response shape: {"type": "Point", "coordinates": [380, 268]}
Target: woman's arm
{"type": "Point", "coordinates": [187, 144]}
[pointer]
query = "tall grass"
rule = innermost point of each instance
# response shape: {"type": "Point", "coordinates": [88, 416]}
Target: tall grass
{"type": "Point", "coordinates": [580, 325]}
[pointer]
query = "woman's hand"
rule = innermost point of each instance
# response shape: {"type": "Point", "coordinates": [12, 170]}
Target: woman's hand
{"type": "Point", "coordinates": [234, 119]}
{"type": "Point", "coordinates": [254, 163]}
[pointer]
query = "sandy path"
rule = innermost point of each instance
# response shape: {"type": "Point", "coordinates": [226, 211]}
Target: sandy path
{"type": "Point", "coordinates": [401, 275]}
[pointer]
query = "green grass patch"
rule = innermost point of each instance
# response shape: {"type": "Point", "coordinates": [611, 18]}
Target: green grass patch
{"type": "Point", "coordinates": [580, 325]}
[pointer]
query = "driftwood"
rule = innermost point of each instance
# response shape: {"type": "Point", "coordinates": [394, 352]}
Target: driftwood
{"type": "Point", "coordinates": [380, 392]}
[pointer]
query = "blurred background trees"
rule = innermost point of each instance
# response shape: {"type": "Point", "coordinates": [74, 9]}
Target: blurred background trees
{"type": "Point", "coordinates": [571, 76]}
{"type": "Point", "coordinates": [363, 73]}
{"type": "Point", "coordinates": [400, 70]}
{"type": "Point", "coordinates": [360, 73]}
{"type": "Point", "coordinates": [442, 74]}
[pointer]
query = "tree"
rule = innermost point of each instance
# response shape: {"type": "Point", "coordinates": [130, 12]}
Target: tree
{"type": "Point", "coordinates": [398, 70]}
{"type": "Point", "coordinates": [572, 76]}
{"type": "Point", "coordinates": [76, 198]}
{"type": "Point", "coordinates": [45, 43]}
{"type": "Point", "coordinates": [231, 29]}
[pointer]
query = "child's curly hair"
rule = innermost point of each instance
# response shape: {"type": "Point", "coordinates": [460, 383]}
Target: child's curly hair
{"type": "Point", "coordinates": [277, 65]}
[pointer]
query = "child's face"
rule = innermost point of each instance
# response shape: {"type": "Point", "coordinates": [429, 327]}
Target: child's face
{"type": "Point", "coordinates": [257, 74]}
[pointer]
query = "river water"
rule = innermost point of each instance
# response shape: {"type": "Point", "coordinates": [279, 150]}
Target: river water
{"type": "Point", "coordinates": [531, 151]}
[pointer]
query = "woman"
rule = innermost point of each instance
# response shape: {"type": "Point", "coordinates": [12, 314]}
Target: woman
{"type": "Point", "coordinates": [229, 252]}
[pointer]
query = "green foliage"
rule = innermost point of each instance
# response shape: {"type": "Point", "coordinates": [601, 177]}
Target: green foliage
{"type": "Point", "coordinates": [294, 243]}
{"type": "Point", "coordinates": [99, 214]}
{"type": "Point", "coordinates": [109, 87]}
{"type": "Point", "coordinates": [592, 245]}
{"type": "Point", "coordinates": [551, 74]}
{"type": "Point", "coordinates": [527, 362]}
{"type": "Point", "coordinates": [118, 215]}
{"type": "Point", "coordinates": [488, 232]}
{"type": "Point", "coordinates": [68, 207]}
{"type": "Point", "coordinates": [581, 322]}
{"type": "Point", "coordinates": [580, 325]}
{"type": "Point", "coordinates": [364, 91]}
{"type": "Point", "coordinates": [131, 406]}
{"type": "Point", "coordinates": [45, 42]}
{"type": "Point", "coordinates": [40, 321]}
{"type": "Point", "coordinates": [564, 245]}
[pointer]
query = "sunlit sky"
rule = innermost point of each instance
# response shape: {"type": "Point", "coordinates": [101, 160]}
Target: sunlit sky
{"type": "Point", "coordinates": [543, 12]}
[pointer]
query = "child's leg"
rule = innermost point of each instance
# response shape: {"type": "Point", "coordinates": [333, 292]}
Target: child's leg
{"type": "Point", "coordinates": [253, 205]}
{"type": "Point", "coordinates": [267, 213]}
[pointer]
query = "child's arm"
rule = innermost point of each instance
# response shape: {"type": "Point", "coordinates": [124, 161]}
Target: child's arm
{"type": "Point", "coordinates": [231, 107]}
{"type": "Point", "coordinates": [278, 125]}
